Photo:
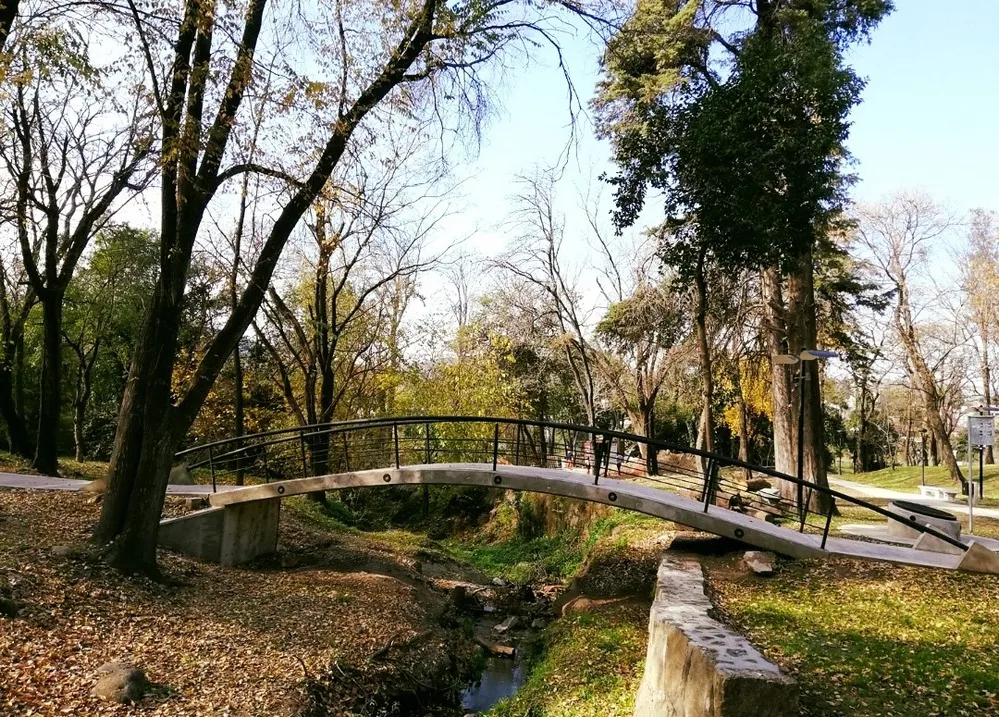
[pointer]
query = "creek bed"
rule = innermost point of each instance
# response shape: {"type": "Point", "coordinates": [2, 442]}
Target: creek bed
{"type": "Point", "coordinates": [501, 678]}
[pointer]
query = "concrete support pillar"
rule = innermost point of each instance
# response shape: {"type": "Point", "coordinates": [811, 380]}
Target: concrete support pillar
{"type": "Point", "coordinates": [230, 535]}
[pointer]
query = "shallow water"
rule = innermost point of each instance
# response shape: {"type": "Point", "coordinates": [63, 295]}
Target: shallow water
{"type": "Point", "coordinates": [501, 678]}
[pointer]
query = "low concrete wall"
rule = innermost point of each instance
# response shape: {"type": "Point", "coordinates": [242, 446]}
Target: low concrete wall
{"type": "Point", "coordinates": [697, 667]}
{"type": "Point", "coordinates": [229, 535]}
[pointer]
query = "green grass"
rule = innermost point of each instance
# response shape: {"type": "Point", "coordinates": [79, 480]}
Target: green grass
{"type": "Point", "coordinates": [591, 666]}
{"type": "Point", "coordinates": [908, 478]}
{"type": "Point", "coordinates": [877, 640]}
{"type": "Point", "coordinates": [334, 518]}
{"type": "Point", "coordinates": [68, 467]}
{"type": "Point", "coordinates": [552, 558]}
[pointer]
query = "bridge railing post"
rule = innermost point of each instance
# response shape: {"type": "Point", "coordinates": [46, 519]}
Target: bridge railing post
{"type": "Point", "coordinates": [267, 473]}
{"type": "Point", "coordinates": [301, 444]}
{"type": "Point", "coordinates": [825, 532]}
{"type": "Point", "coordinates": [597, 449]}
{"type": "Point", "coordinates": [495, 444]}
{"type": "Point", "coordinates": [709, 482]}
{"type": "Point", "coordinates": [211, 467]}
{"type": "Point", "coordinates": [426, 436]}
{"type": "Point", "coordinates": [803, 510]}
{"type": "Point", "coordinates": [516, 447]}
{"type": "Point", "coordinates": [395, 438]}
{"type": "Point", "coordinates": [346, 455]}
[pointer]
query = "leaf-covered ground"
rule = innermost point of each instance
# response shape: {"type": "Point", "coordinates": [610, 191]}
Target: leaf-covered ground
{"type": "Point", "coordinates": [871, 639]}
{"type": "Point", "coordinates": [219, 641]}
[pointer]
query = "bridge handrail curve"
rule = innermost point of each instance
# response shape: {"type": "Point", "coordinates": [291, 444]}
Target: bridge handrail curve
{"type": "Point", "coordinates": [336, 427]}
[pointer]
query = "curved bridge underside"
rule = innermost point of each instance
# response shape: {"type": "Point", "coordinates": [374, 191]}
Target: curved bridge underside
{"type": "Point", "coordinates": [242, 523]}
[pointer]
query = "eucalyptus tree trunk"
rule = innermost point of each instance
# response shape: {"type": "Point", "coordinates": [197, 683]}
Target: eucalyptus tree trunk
{"type": "Point", "coordinates": [706, 426]}
{"type": "Point", "coordinates": [50, 395]}
{"type": "Point", "coordinates": [791, 327]}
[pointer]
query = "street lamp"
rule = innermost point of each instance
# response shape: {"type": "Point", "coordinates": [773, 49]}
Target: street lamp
{"type": "Point", "coordinates": [789, 360]}
{"type": "Point", "coordinates": [922, 454]}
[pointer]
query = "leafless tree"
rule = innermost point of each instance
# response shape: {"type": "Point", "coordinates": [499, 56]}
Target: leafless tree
{"type": "Point", "coordinates": [537, 259]}
{"type": "Point", "coordinates": [979, 263]}
{"type": "Point", "coordinates": [899, 234]}
{"type": "Point", "coordinates": [77, 149]}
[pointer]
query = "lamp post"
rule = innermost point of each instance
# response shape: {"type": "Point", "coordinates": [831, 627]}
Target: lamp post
{"type": "Point", "coordinates": [800, 359]}
{"type": "Point", "coordinates": [922, 455]}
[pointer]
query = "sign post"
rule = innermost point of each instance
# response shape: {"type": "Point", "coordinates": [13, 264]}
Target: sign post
{"type": "Point", "coordinates": [981, 433]}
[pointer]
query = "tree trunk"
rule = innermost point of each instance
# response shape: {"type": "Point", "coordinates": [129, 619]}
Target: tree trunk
{"type": "Point", "coordinates": [79, 442]}
{"type": "Point", "coordinates": [17, 431]}
{"type": "Point", "coordinates": [240, 427]}
{"type": "Point", "coordinates": [47, 447]}
{"type": "Point", "coordinates": [145, 442]}
{"type": "Point", "coordinates": [782, 393]}
{"type": "Point", "coordinates": [706, 427]}
{"type": "Point", "coordinates": [647, 418]}
{"type": "Point", "coordinates": [987, 393]}
{"type": "Point", "coordinates": [801, 285]}
{"type": "Point", "coordinates": [743, 419]}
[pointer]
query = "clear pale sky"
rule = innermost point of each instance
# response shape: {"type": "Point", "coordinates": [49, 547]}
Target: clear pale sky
{"type": "Point", "coordinates": [929, 118]}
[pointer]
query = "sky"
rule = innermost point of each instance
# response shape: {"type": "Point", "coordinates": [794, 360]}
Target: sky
{"type": "Point", "coordinates": [928, 121]}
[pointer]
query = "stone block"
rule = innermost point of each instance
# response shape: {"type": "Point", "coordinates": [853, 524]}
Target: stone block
{"type": "Point", "coordinates": [230, 535]}
{"type": "Point", "coordinates": [249, 531]}
{"type": "Point", "coordinates": [698, 667]}
{"type": "Point", "coordinates": [760, 562]}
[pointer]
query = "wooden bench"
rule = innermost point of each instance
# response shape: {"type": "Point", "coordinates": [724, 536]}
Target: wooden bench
{"type": "Point", "coordinates": [934, 491]}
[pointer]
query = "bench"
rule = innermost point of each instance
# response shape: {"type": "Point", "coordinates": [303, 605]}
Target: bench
{"type": "Point", "coordinates": [933, 491]}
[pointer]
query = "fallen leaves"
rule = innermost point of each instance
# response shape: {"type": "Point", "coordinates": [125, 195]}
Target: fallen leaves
{"type": "Point", "coordinates": [221, 642]}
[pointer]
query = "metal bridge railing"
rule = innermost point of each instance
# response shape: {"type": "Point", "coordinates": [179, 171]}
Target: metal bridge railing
{"type": "Point", "coordinates": [349, 446]}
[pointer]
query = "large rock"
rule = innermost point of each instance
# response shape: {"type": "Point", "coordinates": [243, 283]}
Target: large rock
{"type": "Point", "coordinates": [9, 607]}
{"type": "Point", "coordinates": [507, 625]}
{"type": "Point", "coordinates": [698, 667]}
{"type": "Point", "coordinates": [759, 562]}
{"type": "Point", "coordinates": [96, 486]}
{"type": "Point", "coordinates": [120, 682]}
{"type": "Point", "coordinates": [181, 475]}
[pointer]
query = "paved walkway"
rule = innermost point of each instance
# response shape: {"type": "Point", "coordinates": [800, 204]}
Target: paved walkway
{"type": "Point", "coordinates": [869, 491]}
{"type": "Point", "coordinates": [32, 482]}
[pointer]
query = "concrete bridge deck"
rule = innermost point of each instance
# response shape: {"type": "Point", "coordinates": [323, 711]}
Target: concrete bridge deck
{"type": "Point", "coordinates": [242, 523]}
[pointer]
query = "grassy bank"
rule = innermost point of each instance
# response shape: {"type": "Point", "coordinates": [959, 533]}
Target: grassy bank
{"type": "Point", "coordinates": [554, 558]}
{"type": "Point", "coordinates": [591, 666]}
{"type": "Point", "coordinates": [872, 639]}
{"type": "Point", "coordinates": [908, 478]}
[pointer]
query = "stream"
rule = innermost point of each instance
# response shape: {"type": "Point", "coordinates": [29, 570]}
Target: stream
{"type": "Point", "coordinates": [500, 679]}
{"type": "Point", "coordinates": [506, 621]}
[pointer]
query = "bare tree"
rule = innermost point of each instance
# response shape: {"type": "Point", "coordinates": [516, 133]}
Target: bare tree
{"type": "Point", "coordinates": [980, 281]}
{"type": "Point", "coordinates": [68, 173]}
{"type": "Point", "coordinates": [366, 247]}
{"type": "Point", "coordinates": [641, 331]}
{"type": "Point", "coordinates": [899, 233]}
{"type": "Point", "coordinates": [538, 261]}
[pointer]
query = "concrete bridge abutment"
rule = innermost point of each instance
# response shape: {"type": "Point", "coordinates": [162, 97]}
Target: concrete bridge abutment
{"type": "Point", "coordinates": [231, 535]}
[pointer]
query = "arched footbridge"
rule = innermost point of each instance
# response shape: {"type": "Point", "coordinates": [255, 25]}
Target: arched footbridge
{"type": "Point", "coordinates": [701, 490]}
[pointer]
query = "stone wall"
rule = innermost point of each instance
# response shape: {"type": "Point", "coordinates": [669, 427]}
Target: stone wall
{"type": "Point", "coordinates": [698, 667]}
